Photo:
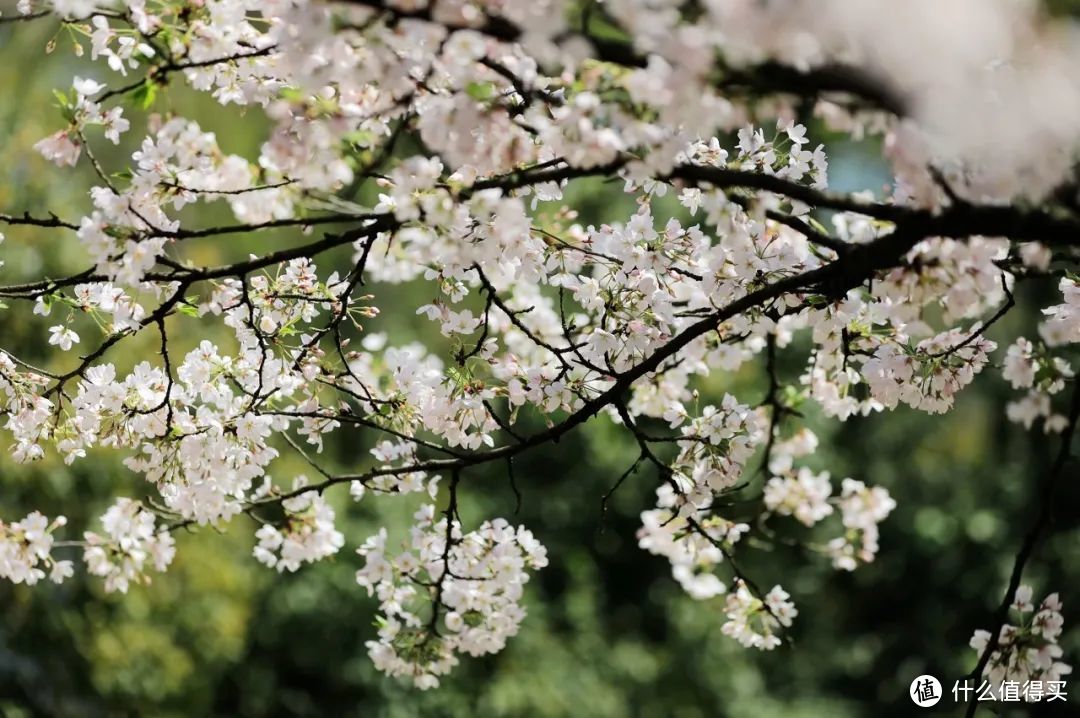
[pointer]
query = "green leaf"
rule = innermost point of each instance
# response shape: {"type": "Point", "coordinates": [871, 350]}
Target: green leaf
{"type": "Point", "coordinates": [144, 95]}
{"type": "Point", "coordinates": [291, 94]}
{"type": "Point", "coordinates": [480, 91]}
{"type": "Point", "coordinates": [792, 396]}
{"type": "Point", "coordinates": [818, 226]}
{"type": "Point", "coordinates": [360, 138]}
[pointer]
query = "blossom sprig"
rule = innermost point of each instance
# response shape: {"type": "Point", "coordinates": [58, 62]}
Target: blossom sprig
{"type": "Point", "coordinates": [26, 550]}
{"type": "Point", "coordinates": [1060, 326]}
{"type": "Point", "coordinates": [122, 47]}
{"type": "Point", "coordinates": [28, 410]}
{"type": "Point", "coordinates": [929, 375]}
{"type": "Point", "coordinates": [82, 111]}
{"type": "Point", "coordinates": [714, 447]}
{"type": "Point", "coordinates": [962, 278]}
{"type": "Point", "coordinates": [862, 509]}
{"type": "Point", "coordinates": [468, 584]}
{"type": "Point", "coordinates": [308, 534]}
{"type": "Point", "coordinates": [757, 622]}
{"type": "Point", "coordinates": [783, 156]}
{"type": "Point", "coordinates": [808, 497]}
{"type": "Point", "coordinates": [130, 546]}
{"type": "Point", "coordinates": [1044, 374]}
{"type": "Point", "coordinates": [694, 552]}
{"type": "Point", "coordinates": [1027, 650]}
{"type": "Point", "coordinates": [803, 495]}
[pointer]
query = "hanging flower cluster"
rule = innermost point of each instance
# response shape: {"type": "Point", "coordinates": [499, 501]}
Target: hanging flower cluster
{"type": "Point", "coordinates": [449, 592]}
{"type": "Point", "coordinates": [1028, 650]}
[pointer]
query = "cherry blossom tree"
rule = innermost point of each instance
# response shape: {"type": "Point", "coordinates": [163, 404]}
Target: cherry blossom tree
{"type": "Point", "coordinates": [471, 120]}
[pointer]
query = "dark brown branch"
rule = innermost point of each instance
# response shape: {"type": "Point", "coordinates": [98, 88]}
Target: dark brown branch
{"type": "Point", "coordinates": [379, 223]}
{"type": "Point", "coordinates": [958, 220]}
{"type": "Point", "coordinates": [774, 77]}
{"type": "Point", "coordinates": [26, 220]}
{"type": "Point", "coordinates": [450, 513]}
{"type": "Point", "coordinates": [24, 18]}
{"type": "Point", "coordinates": [615, 487]}
{"type": "Point", "coordinates": [272, 224]}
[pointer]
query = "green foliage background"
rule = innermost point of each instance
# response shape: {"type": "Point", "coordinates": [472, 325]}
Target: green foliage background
{"type": "Point", "coordinates": [609, 634]}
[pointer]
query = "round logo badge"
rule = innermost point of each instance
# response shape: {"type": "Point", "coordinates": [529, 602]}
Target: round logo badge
{"type": "Point", "coordinates": [925, 691]}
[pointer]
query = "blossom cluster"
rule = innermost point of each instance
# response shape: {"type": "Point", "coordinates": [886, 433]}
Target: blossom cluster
{"type": "Point", "coordinates": [713, 449]}
{"type": "Point", "coordinates": [756, 622]}
{"type": "Point", "coordinates": [307, 536]}
{"type": "Point", "coordinates": [25, 550]}
{"type": "Point", "coordinates": [808, 497]}
{"type": "Point", "coordinates": [129, 228]}
{"type": "Point", "coordinates": [132, 544]}
{"type": "Point", "coordinates": [929, 375]}
{"type": "Point", "coordinates": [1027, 650]}
{"type": "Point", "coordinates": [1039, 368]}
{"type": "Point", "coordinates": [862, 508]}
{"type": "Point", "coordinates": [1043, 374]}
{"type": "Point", "coordinates": [65, 146]}
{"type": "Point", "coordinates": [694, 550]}
{"type": "Point", "coordinates": [469, 584]}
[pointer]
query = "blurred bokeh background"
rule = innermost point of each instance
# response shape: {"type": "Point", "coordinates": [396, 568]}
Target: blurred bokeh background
{"type": "Point", "coordinates": [608, 633]}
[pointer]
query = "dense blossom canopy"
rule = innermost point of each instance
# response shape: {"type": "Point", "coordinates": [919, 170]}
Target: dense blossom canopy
{"type": "Point", "coordinates": [472, 117]}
